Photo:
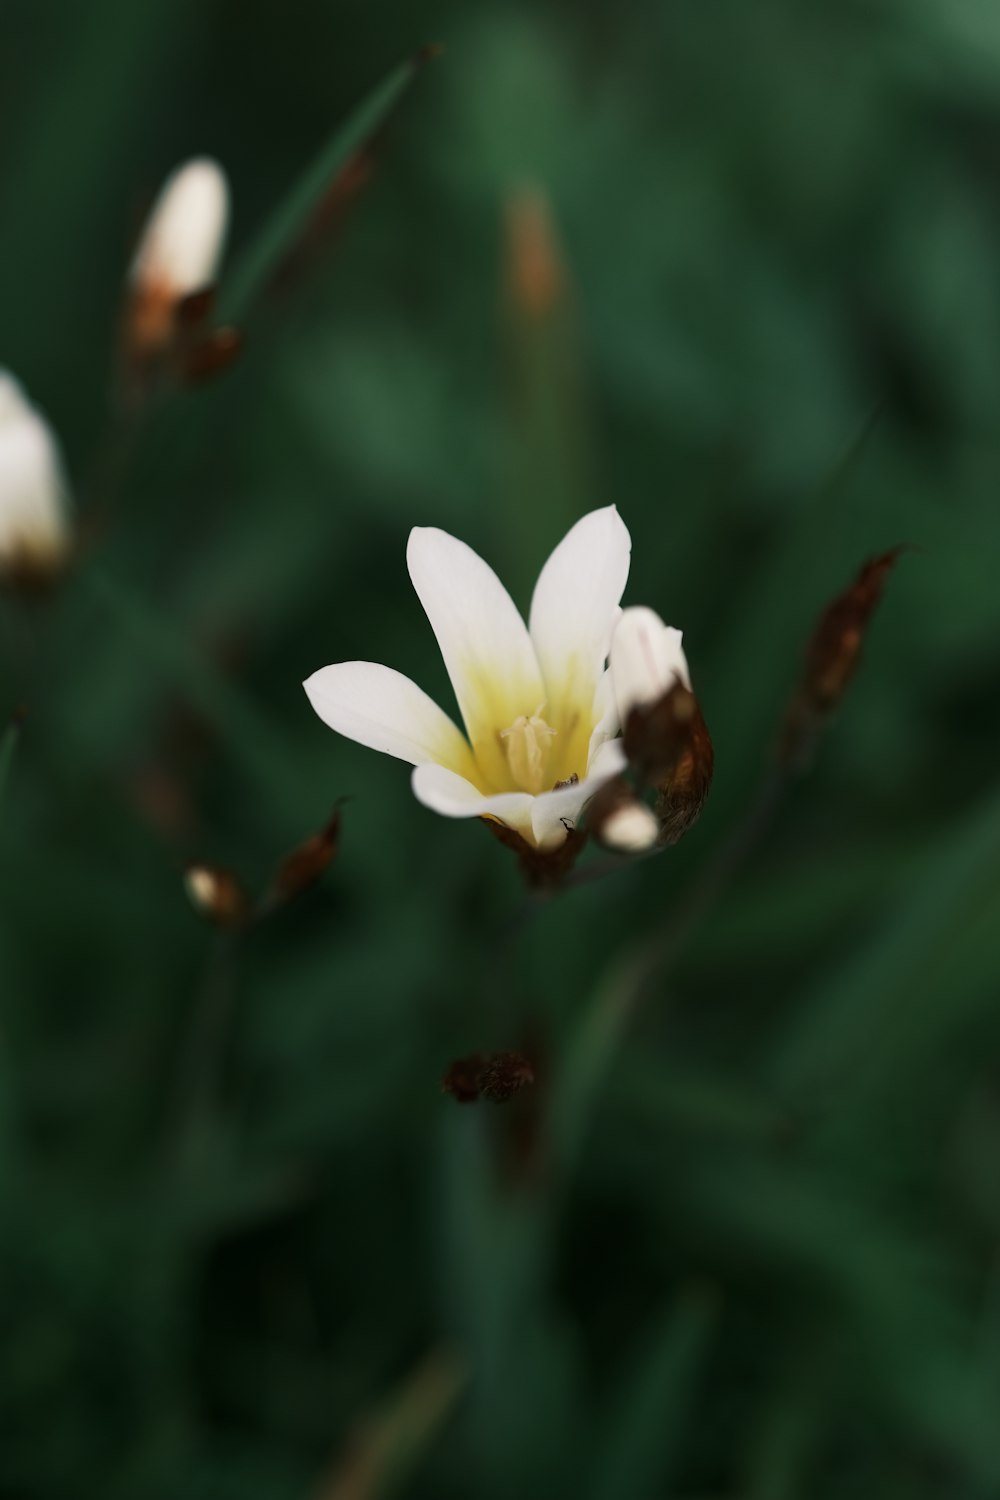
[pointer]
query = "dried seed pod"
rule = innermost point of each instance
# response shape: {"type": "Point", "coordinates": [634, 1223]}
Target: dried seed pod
{"type": "Point", "coordinates": [496, 1076]}
{"type": "Point", "coordinates": [304, 866]}
{"type": "Point", "coordinates": [832, 657]}
{"type": "Point", "coordinates": [217, 894]}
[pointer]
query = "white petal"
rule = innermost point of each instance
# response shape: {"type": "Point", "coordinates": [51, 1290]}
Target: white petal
{"type": "Point", "coordinates": [553, 812]}
{"type": "Point", "coordinates": [646, 659]}
{"type": "Point", "coordinates": [606, 714]}
{"type": "Point", "coordinates": [182, 243]}
{"type": "Point", "coordinates": [384, 710]}
{"type": "Point", "coordinates": [484, 641]}
{"type": "Point", "coordinates": [631, 829]}
{"type": "Point", "coordinates": [452, 795]}
{"type": "Point", "coordinates": [575, 606]}
{"type": "Point", "coordinates": [34, 525]}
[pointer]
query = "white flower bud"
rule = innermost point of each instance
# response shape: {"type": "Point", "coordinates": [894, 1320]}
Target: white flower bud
{"type": "Point", "coordinates": [34, 527]}
{"type": "Point", "coordinates": [646, 659]}
{"type": "Point", "coordinates": [180, 248]}
{"type": "Point", "coordinates": [630, 828]}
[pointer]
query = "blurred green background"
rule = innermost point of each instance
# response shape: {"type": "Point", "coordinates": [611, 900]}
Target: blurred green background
{"type": "Point", "coordinates": [742, 1241]}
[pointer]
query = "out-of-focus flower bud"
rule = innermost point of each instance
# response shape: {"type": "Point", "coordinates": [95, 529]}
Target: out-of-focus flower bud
{"type": "Point", "coordinates": [496, 1076]}
{"type": "Point", "coordinates": [665, 737]}
{"type": "Point", "coordinates": [832, 658]}
{"type": "Point", "coordinates": [34, 526]}
{"type": "Point", "coordinates": [536, 272]}
{"type": "Point", "coordinates": [178, 255]}
{"type": "Point", "coordinates": [217, 894]}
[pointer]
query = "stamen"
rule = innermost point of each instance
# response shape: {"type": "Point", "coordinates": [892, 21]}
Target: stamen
{"type": "Point", "coordinates": [526, 743]}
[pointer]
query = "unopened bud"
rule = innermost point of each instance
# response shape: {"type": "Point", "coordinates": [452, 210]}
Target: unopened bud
{"type": "Point", "coordinates": [217, 894]}
{"type": "Point", "coordinates": [496, 1076]}
{"type": "Point", "coordinates": [178, 254]}
{"type": "Point", "coordinates": [665, 737]}
{"type": "Point", "coordinates": [647, 658]}
{"type": "Point", "coordinates": [34, 526]}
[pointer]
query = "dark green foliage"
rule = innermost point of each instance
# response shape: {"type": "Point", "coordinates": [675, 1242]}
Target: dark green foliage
{"type": "Point", "coordinates": [740, 1239]}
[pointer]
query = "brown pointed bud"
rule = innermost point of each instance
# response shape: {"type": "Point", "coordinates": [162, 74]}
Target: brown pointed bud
{"type": "Point", "coordinates": [832, 657]}
{"type": "Point", "coordinates": [542, 869]}
{"type": "Point", "coordinates": [619, 821]}
{"type": "Point", "coordinates": [496, 1076]}
{"type": "Point", "coordinates": [217, 894]}
{"type": "Point", "coordinates": [535, 271]}
{"type": "Point", "coordinates": [304, 866]}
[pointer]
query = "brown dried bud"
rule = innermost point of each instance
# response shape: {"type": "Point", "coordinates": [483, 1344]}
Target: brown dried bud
{"type": "Point", "coordinates": [670, 748]}
{"type": "Point", "coordinates": [496, 1076]}
{"type": "Point", "coordinates": [541, 868]}
{"type": "Point", "coordinates": [304, 866]}
{"type": "Point", "coordinates": [832, 657]}
{"type": "Point", "coordinates": [217, 894]}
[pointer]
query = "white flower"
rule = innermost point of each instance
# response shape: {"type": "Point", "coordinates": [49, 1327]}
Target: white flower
{"type": "Point", "coordinates": [34, 527]}
{"type": "Point", "coordinates": [180, 248]}
{"type": "Point", "coordinates": [647, 658]}
{"type": "Point", "coordinates": [539, 716]}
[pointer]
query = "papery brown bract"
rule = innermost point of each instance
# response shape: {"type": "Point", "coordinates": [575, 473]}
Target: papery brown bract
{"type": "Point", "coordinates": [541, 868]}
{"type": "Point", "coordinates": [668, 745]}
{"type": "Point", "coordinates": [833, 656]}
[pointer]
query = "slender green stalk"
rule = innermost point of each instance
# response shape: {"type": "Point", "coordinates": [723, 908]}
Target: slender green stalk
{"type": "Point", "coordinates": [290, 218]}
{"type": "Point", "coordinates": [251, 740]}
{"type": "Point", "coordinates": [8, 749]}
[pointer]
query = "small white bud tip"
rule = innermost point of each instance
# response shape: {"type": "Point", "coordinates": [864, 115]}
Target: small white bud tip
{"type": "Point", "coordinates": [646, 659]}
{"type": "Point", "coordinates": [34, 527]}
{"type": "Point", "coordinates": [185, 234]}
{"type": "Point", "coordinates": [630, 829]}
{"type": "Point", "coordinates": [216, 893]}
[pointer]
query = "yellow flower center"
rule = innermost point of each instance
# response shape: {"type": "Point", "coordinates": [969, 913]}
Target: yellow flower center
{"type": "Point", "coordinates": [527, 744]}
